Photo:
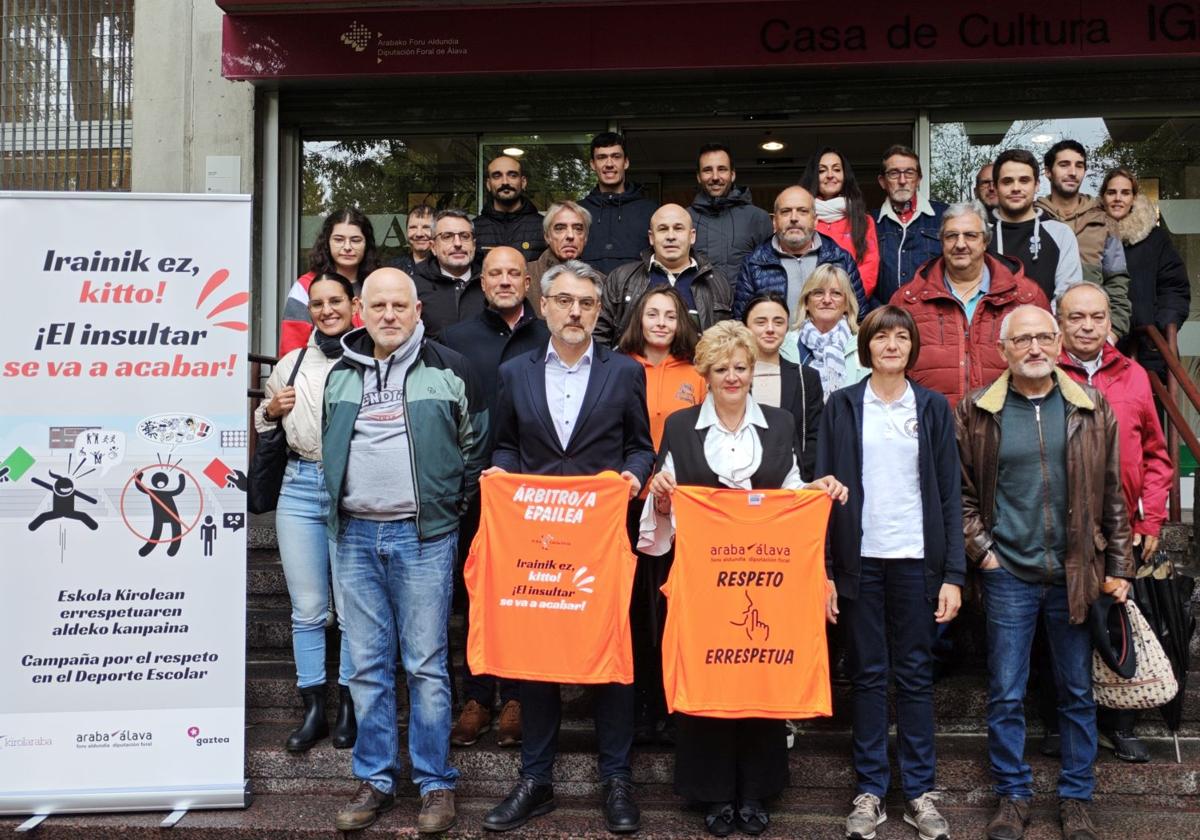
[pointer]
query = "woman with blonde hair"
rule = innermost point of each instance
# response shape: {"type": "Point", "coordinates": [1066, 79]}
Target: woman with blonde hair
{"type": "Point", "coordinates": [823, 330]}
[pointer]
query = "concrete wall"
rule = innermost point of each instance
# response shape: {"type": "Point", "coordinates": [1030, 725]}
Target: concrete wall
{"type": "Point", "coordinates": [183, 111]}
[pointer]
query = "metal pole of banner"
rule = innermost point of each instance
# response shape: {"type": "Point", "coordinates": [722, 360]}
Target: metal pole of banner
{"type": "Point", "coordinates": [31, 823]}
{"type": "Point", "coordinates": [172, 818]}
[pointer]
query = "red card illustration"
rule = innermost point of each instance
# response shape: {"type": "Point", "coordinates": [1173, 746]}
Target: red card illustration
{"type": "Point", "coordinates": [218, 473]}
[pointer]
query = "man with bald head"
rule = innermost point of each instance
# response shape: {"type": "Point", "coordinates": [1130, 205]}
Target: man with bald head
{"type": "Point", "coordinates": [784, 262]}
{"type": "Point", "coordinates": [671, 261]}
{"type": "Point", "coordinates": [404, 440]}
{"type": "Point", "coordinates": [1085, 318]}
{"type": "Point", "coordinates": [506, 329]}
{"type": "Point", "coordinates": [509, 217]}
{"type": "Point", "coordinates": [1047, 527]}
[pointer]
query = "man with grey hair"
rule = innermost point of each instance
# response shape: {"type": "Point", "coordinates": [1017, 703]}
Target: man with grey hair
{"type": "Point", "coordinates": [395, 517]}
{"type": "Point", "coordinates": [1046, 524]}
{"type": "Point", "coordinates": [565, 226]}
{"type": "Point", "coordinates": [958, 300]}
{"type": "Point", "coordinates": [572, 407]}
{"type": "Point", "coordinates": [448, 285]}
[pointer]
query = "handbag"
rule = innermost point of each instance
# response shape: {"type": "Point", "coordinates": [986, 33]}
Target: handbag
{"type": "Point", "coordinates": [270, 460]}
{"type": "Point", "coordinates": [1152, 685]}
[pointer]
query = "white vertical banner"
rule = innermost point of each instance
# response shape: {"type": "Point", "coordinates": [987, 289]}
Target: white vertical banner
{"type": "Point", "coordinates": [122, 501]}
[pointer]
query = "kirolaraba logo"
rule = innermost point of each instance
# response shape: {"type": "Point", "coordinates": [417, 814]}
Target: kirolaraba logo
{"type": "Point", "coordinates": [118, 738]}
{"type": "Point", "coordinates": [194, 733]}
{"type": "Point", "coordinates": [19, 741]}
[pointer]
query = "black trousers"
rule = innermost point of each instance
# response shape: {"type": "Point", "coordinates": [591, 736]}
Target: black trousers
{"type": "Point", "coordinates": [719, 760]}
{"type": "Point", "coordinates": [541, 715]}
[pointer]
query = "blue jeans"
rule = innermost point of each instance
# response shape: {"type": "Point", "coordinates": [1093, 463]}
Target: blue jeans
{"type": "Point", "coordinates": [397, 589]}
{"type": "Point", "coordinates": [1013, 607]}
{"type": "Point", "coordinates": [891, 615]}
{"type": "Point", "coordinates": [305, 551]}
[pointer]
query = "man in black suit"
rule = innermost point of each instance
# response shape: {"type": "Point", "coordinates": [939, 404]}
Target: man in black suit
{"type": "Point", "coordinates": [572, 408]}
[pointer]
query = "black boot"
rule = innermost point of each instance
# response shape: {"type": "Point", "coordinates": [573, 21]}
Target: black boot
{"type": "Point", "coordinates": [314, 727]}
{"type": "Point", "coordinates": [345, 728]}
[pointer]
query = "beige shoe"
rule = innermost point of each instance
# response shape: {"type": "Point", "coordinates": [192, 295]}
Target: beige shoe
{"type": "Point", "coordinates": [366, 806]}
{"type": "Point", "coordinates": [437, 812]}
{"type": "Point", "coordinates": [509, 730]}
{"type": "Point", "coordinates": [474, 720]}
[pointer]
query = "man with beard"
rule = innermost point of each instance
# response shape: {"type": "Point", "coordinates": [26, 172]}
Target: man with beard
{"type": "Point", "coordinates": [510, 217]}
{"type": "Point", "coordinates": [728, 225]}
{"type": "Point", "coordinates": [784, 262]}
{"type": "Point", "coordinates": [1100, 251]}
{"type": "Point", "coordinates": [906, 225]}
{"type": "Point", "coordinates": [620, 209]}
{"type": "Point", "coordinates": [448, 285]}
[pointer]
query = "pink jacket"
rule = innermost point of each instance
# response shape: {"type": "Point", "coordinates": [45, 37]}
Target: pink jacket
{"type": "Point", "coordinates": [1146, 469]}
{"type": "Point", "coordinates": [868, 263]}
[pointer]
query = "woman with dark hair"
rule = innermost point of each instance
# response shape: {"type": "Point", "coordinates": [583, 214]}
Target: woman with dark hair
{"type": "Point", "coordinates": [783, 384]}
{"type": "Point", "coordinates": [895, 561]}
{"type": "Point", "coordinates": [1159, 288]}
{"type": "Point", "coordinates": [730, 765]}
{"type": "Point", "coordinates": [662, 337]}
{"type": "Point", "coordinates": [344, 246]}
{"type": "Point", "coordinates": [841, 212]}
{"type": "Point", "coordinates": [305, 550]}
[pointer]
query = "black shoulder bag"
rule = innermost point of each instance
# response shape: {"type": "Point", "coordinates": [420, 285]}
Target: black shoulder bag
{"type": "Point", "coordinates": [270, 460]}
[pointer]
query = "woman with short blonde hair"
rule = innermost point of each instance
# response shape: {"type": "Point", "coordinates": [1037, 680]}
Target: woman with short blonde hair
{"type": "Point", "coordinates": [822, 334]}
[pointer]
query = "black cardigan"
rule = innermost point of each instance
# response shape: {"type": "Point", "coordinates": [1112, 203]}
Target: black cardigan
{"type": "Point", "coordinates": [800, 393]}
{"type": "Point", "coordinates": [686, 444]}
{"type": "Point", "coordinates": [839, 453]}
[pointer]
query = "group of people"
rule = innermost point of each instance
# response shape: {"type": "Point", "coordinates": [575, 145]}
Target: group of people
{"type": "Point", "coordinates": [908, 363]}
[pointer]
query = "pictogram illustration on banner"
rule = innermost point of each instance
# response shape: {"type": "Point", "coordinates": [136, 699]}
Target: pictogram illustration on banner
{"type": "Point", "coordinates": [122, 502]}
{"type": "Point", "coordinates": [745, 630]}
{"type": "Point", "coordinates": [549, 577]}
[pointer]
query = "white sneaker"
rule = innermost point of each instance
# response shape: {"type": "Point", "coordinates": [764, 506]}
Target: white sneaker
{"type": "Point", "coordinates": [792, 728]}
{"type": "Point", "coordinates": [922, 814]}
{"type": "Point", "coordinates": [866, 816]}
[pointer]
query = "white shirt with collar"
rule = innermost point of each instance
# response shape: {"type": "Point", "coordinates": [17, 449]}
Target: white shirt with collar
{"type": "Point", "coordinates": [565, 387]}
{"type": "Point", "coordinates": [734, 456]}
{"type": "Point", "coordinates": [892, 518]}
{"type": "Point", "coordinates": [1092, 367]}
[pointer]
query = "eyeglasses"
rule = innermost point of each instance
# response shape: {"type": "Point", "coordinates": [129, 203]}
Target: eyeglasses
{"type": "Point", "coordinates": [565, 302]}
{"type": "Point", "coordinates": [972, 236]}
{"type": "Point", "coordinates": [448, 237]}
{"type": "Point", "coordinates": [984, 182]}
{"type": "Point", "coordinates": [1023, 342]}
{"type": "Point", "coordinates": [832, 294]}
{"type": "Point", "coordinates": [897, 174]}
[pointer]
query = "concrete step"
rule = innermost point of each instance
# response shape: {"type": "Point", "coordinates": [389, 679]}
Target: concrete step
{"type": "Point", "coordinates": [819, 763]}
{"type": "Point", "coordinates": [295, 817]}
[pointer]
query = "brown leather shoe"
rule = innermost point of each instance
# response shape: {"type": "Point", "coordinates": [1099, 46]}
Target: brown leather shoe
{"type": "Point", "coordinates": [437, 812]}
{"type": "Point", "coordinates": [1076, 824]}
{"type": "Point", "coordinates": [509, 734]}
{"type": "Point", "coordinates": [1010, 819]}
{"type": "Point", "coordinates": [473, 721]}
{"type": "Point", "coordinates": [366, 806]}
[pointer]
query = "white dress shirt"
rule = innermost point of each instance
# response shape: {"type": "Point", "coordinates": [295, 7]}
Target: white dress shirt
{"type": "Point", "coordinates": [734, 456]}
{"type": "Point", "coordinates": [892, 519]}
{"type": "Point", "coordinates": [565, 387]}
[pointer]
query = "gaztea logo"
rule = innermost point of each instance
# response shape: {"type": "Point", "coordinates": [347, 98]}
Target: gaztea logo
{"type": "Point", "coordinates": [194, 733]}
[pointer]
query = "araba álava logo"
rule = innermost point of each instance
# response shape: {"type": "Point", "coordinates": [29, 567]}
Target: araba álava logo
{"type": "Point", "coordinates": [582, 580]}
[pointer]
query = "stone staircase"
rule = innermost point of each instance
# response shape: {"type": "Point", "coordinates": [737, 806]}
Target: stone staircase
{"type": "Point", "coordinates": [297, 795]}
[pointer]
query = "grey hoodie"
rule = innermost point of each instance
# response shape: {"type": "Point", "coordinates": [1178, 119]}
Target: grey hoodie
{"type": "Point", "coordinates": [379, 472]}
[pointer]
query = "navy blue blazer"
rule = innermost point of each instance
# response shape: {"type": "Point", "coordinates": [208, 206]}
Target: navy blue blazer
{"type": "Point", "coordinates": [612, 432]}
{"type": "Point", "coordinates": [839, 453]}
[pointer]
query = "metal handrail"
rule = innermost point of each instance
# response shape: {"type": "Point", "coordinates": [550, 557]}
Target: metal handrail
{"type": "Point", "coordinates": [1177, 427]}
{"type": "Point", "coordinates": [255, 395]}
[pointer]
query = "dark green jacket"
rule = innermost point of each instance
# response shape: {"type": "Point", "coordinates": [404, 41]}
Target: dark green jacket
{"type": "Point", "coordinates": [448, 428]}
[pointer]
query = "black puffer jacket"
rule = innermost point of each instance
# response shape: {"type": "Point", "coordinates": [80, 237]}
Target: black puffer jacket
{"type": "Point", "coordinates": [620, 226]}
{"type": "Point", "coordinates": [520, 229]}
{"type": "Point", "coordinates": [444, 302]}
{"type": "Point", "coordinates": [729, 228]}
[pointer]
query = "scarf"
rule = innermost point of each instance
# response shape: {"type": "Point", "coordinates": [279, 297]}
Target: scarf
{"type": "Point", "coordinates": [828, 352]}
{"type": "Point", "coordinates": [330, 345]}
{"type": "Point", "coordinates": [833, 210]}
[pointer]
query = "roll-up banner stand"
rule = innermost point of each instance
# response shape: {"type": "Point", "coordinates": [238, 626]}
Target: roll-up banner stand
{"type": "Point", "coordinates": [122, 501]}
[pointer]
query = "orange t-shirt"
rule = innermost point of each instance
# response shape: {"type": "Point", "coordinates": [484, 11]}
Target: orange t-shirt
{"type": "Point", "coordinates": [549, 577]}
{"type": "Point", "coordinates": [745, 633]}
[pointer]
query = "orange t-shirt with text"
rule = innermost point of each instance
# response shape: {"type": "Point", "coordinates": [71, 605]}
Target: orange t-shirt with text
{"type": "Point", "coordinates": [745, 632]}
{"type": "Point", "coordinates": [549, 577]}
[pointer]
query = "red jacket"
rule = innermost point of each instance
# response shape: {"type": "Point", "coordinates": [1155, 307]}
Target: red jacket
{"type": "Point", "coordinates": [1146, 468]}
{"type": "Point", "coordinates": [957, 357]}
{"type": "Point", "coordinates": [868, 263]}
